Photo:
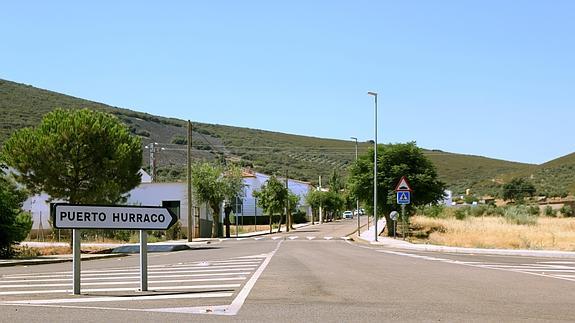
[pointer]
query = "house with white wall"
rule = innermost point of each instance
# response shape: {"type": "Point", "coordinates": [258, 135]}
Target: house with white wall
{"type": "Point", "coordinates": [174, 196]}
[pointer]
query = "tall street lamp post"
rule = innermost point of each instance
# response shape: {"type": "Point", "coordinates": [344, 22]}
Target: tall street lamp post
{"type": "Point", "coordinates": [374, 94]}
{"type": "Point", "coordinates": [356, 199]}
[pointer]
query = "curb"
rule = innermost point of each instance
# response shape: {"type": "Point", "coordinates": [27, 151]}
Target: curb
{"type": "Point", "coordinates": [498, 252]}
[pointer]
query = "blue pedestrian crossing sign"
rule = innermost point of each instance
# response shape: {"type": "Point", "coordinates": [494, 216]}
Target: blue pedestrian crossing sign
{"type": "Point", "coordinates": [403, 197]}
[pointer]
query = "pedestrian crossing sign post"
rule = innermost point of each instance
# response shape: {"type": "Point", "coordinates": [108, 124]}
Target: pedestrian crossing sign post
{"type": "Point", "coordinates": [403, 197]}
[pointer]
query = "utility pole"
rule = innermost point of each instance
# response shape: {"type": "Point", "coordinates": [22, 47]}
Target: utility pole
{"type": "Point", "coordinates": [357, 199]}
{"type": "Point", "coordinates": [189, 175]}
{"type": "Point", "coordinates": [320, 208]}
{"type": "Point", "coordinates": [375, 168]}
{"type": "Point", "coordinates": [288, 217]}
{"type": "Point", "coordinates": [152, 147]}
{"type": "Point", "coordinates": [152, 162]}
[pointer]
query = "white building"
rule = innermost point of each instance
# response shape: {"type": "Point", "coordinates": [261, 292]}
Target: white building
{"type": "Point", "coordinates": [174, 196]}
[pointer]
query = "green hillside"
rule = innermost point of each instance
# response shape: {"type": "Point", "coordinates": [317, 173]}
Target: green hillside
{"type": "Point", "coordinates": [266, 151]}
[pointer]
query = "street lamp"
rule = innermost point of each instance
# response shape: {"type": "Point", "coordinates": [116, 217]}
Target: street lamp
{"type": "Point", "coordinates": [374, 94]}
{"type": "Point", "coordinates": [356, 199]}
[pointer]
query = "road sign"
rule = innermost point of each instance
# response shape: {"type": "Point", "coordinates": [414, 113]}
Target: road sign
{"type": "Point", "coordinates": [403, 185]}
{"type": "Point", "coordinates": [71, 216]}
{"type": "Point", "coordinates": [394, 215]}
{"type": "Point", "coordinates": [403, 197]}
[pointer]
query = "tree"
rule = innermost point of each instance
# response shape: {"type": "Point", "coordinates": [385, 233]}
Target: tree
{"type": "Point", "coordinates": [335, 182]}
{"type": "Point", "coordinates": [394, 161]}
{"type": "Point", "coordinates": [331, 202]}
{"type": "Point", "coordinates": [79, 156]}
{"type": "Point", "coordinates": [213, 185]}
{"type": "Point", "coordinates": [14, 223]}
{"type": "Point", "coordinates": [272, 198]}
{"type": "Point", "coordinates": [517, 190]}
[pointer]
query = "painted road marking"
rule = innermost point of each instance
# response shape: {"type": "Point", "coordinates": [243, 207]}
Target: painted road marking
{"type": "Point", "coordinates": [120, 289]}
{"type": "Point", "coordinates": [128, 283]}
{"type": "Point", "coordinates": [124, 278]}
{"type": "Point", "coordinates": [117, 299]}
{"type": "Point", "coordinates": [207, 271]}
{"type": "Point", "coordinates": [310, 238]}
{"type": "Point", "coordinates": [530, 269]}
{"type": "Point", "coordinates": [293, 237]}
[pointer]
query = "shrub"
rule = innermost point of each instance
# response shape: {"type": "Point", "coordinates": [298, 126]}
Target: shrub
{"type": "Point", "coordinates": [175, 232]}
{"type": "Point", "coordinates": [549, 211]}
{"type": "Point", "coordinates": [519, 215]}
{"type": "Point", "coordinates": [179, 140]}
{"type": "Point", "coordinates": [495, 211]}
{"type": "Point", "coordinates": [433, 211]}
{"type": "Point", "coordinates": [299, 217]}
{"type": "Point", "coordinates": [534, 209]}
{"type": "Point", "coordinates": [478, 210]}
{"type": "Point", "coordinates": [461, 213]}
{"type": "Point", "coordinates": [567, 211]}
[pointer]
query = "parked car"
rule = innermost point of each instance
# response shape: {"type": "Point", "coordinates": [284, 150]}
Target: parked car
{"type": "Point", "coordinates": [347, 215]}
{"type": "Point", "coordinates": [361, 212]}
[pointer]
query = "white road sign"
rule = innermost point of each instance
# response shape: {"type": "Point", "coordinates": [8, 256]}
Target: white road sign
{"type": "Point", "coordinates": [70, 216]}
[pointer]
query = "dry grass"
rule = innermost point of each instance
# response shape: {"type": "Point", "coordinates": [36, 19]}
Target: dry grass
{"type": "Point", "coordinates": [496, 232]}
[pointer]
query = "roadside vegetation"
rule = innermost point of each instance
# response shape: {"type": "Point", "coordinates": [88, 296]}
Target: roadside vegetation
{"type": "Point", "coordinates": [488, 226]}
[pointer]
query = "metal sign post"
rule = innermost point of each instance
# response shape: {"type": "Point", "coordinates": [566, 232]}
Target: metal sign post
{"type": "Point", "coordinates": [403, 219]}
{"type": "Point", "coordinates": [393, 215]}
{"type": "Point", "coordinates": [76, 259]}
{"type": "Point", "coordinates": [143, 261]}
{"type": "Point", "coordinates": [403, 191]}
{"type": "Point", "coordinates": [72, 216]}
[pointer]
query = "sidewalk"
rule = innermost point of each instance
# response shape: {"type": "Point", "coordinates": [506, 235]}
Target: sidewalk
{"type": "Point", "coordinates": [400, 244]}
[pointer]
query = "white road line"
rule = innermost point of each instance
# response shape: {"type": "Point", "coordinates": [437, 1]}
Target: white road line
{"type": "Point", "coordinates": [118, 299]}
{"type": "Point", "coordinates": [310, 238]}
{"type": "Point", "coordinates": [260, 238]}
{"type": "Point", "coordinates": [151, 272]}
{"type": "Point", "coordinates": [538, 272]}
{"type": "Point", "coordinates": [275, 238]}
{"type": "Point", "coordinates": [127, 282]}
{"type": "Point", "coordinates": [566, 276]}
{"type": "Point", "coordinates": [557, 262]}
{"type": "Point", "coordinates": [293, 237]}
{"type": "Point", "coordinates": [60, 291]}
{"type": "Point", "coordinates": [260, 256]}
{"type": "Point", "coordinates": [126, 277]}
{"type": "Point", "coordinates": [237, 303]}
{"type": "Point", "coordinates": [204, 263]}
{"type": "Point", "coordinates": [328, 238]}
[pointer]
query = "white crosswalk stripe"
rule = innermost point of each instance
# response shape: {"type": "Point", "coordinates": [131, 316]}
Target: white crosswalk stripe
{"type": "Point", "coordinates": [220, 278]}
{"type": "Point", "coordinates": [309, 238]}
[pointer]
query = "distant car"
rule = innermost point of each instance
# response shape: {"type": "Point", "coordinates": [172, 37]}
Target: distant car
{"type": "Point", "coordinates": [361, 212]}
{"type": "Point", "coordinates": [347, 215]}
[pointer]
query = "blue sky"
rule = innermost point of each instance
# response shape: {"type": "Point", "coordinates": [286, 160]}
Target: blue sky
{"type": "Point", "coordinates": [492, 78]}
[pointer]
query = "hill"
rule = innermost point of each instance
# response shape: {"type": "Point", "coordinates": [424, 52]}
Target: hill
{"type": "Point", "coordinates": [266, 151]}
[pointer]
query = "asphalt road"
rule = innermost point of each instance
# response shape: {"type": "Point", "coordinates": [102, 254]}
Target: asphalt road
{"type": "Point", "coordinates": [310, 275]}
